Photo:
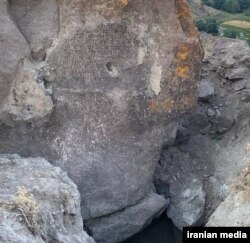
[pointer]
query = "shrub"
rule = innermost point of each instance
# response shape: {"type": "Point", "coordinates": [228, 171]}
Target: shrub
{"type": "Point", "coordinates": [230, 33]}
{"type": "Point", "coordinates": [208, 25]}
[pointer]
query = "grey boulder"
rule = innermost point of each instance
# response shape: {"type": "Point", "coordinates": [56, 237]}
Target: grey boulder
{"type": "Point", "coordinates": [38, 203]}
{"type": "Point", "coordinates": [234, 211]}
{"type": "Point", "coordinates": [179, 176]}
{"type": "Point", "coordinates": [112, 78]}
{"type": "Point", "coordinates": [206, 90]}
{"type": "Point", "coordinates": [119, 226]}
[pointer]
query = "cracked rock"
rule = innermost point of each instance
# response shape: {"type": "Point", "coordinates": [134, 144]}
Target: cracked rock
{"type": "Point", "coordinates": [38, 203]}
{"type": "Point", "coordinates": [206, 90]}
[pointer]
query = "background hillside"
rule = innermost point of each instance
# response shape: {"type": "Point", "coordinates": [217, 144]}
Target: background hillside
{"type": "Point", "coordinates": [234, 23]}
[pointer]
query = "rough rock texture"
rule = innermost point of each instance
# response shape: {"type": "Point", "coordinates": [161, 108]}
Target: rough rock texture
{"type": "Point", "coordinates": [179, 176]}
{"type": "Point", "coordinates": [120, 71]}
{"type": "Point", "coordinates": [211, 141]}
{"type": "Point", "coordinates": [13, 47]}
{"type": "Point", "coordinates": [235, 210]}
{"type": "Point", "coordinates": [38, 22]}
{"type": "Point", "coordinates": [38, 203]}
{"type": "Point", "coordinates": [206, 90]}
{"type": "Point", "coordinates": [118, 226]}
{"type": "Point", "coordinates": [29, 100]}
{"type": "Point", "coordinates": [23, 93]}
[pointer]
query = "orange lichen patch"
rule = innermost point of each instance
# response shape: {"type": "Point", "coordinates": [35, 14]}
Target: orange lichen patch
{"type": "Point", "coordinates": [182, 8]}
{"type": "Point", "coordinates": [184, 14]}
{"type": "Point", "coordinates": [182, 72]}
{"type": "Point", "coordinates": [156, 105]}
{"type": "Point", "coordinates": [123, 2]}
{"type": "Point", "coordinates": [183, 52]}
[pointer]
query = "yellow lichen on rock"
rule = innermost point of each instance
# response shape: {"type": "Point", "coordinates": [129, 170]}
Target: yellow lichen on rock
{"type": "Point", "coordinates": [123, 2]}
{"type": "Point", "coordinates": [183, 52]}
{"type": "Point", "coordinates": [182, 72]}
{"type": "Point", "coordinates": [182, 61]}
{"type": "Point", "coordinates": [184, 14]}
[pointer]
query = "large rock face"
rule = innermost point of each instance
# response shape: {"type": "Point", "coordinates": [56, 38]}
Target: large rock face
{"type": "Point", "coordinates": [38, 203]}
{"type": "Point", "coordinates": [211, 143]}
{"type": "Point", "coordinates": [179, 176]}
{"type": "Point", "coordinates": [234, 211]}
{"type": "Point", "coordinates": [120, 72]}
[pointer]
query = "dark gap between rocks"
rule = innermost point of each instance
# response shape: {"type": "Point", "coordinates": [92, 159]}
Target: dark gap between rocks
{"type": "Point", "coordinates": [161, 230]}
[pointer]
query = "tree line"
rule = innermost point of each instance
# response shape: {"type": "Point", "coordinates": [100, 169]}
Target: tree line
{"type": "Point", "coordinates": [230, 6]}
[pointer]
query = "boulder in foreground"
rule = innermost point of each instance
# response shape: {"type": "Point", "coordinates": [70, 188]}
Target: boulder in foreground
{"type": "Point", "coordinates": [38, 203]}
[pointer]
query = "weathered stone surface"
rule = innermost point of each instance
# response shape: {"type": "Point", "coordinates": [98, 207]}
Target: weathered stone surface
{"type": "Point", "coordinates": [13, 47]}
{"type": "Point", "coordinates": [188, 206]}
{"type": "Point", "coordinates": [214, 152]}
{"type": "Point", "coordinates": [38, 203]}
{"type": "Point", "coordinates": [233, 65]}
{"type": "Point", "coordinates": [121, 72]}
{"type": "Point", "coordinates": [179, 176]}
{"type": "Point", "coordinates": [240, 85]}
{"type": "Point", "coordinates": [38, 22]}
{"type": "Point", "coordinates": [118, 227]}
{"type": "Point", "coordinates": [234, 210]}
{"type": "Point", "coordinates": [206, 90]}
{"type": "Point", "coordinates": [29, 99]}
{"type": "Point", "coordinates": [211, 112]}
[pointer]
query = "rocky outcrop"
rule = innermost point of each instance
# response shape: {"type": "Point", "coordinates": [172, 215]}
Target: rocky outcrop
{"type": "Point", "coordinates": [13, 48]}
{"type": "Point", "coordinates": [234, 211]}
{"type": "Point", "coordinates": [118, 226]}
{"type": "Point", "coordinates": [179, 176]}
{"type": "Point", "coordinates": [98, 91]}
{"type": "Point", "coordinates": [210, 143]}
{"type": "Point", "coordinates": [24, 96]}
{"type": "Point", "coordinates": [38, 203]}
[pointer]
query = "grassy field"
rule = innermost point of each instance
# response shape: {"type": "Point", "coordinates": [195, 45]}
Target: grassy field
{"type": "Point", "coordinates": [245, 33]}
{"type": "Point", "coordinates": [229, 17]}
{"type": "Point", "coordinates": [240, 23]}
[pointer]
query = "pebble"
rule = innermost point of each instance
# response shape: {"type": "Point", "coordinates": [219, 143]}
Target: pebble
{"type": "Point", "coordinates": [240, 85]}
{"type": "Point", "coordinates": [210, 113]}
{"type": "Point", "coordinates": [223, 94]}
{"type": "Point", "coordinates": [206, 90]}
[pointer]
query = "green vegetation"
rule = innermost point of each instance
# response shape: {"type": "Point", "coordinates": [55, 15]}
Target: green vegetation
{"type": "Point", "coordinates": [230, 33]}
{"type": "Point", "coordinates": [230, 23]}
{"type": "Point", "coordinates": [247, 12]}
{"type": "Point", "coordinates": [208, 25]}
{"type": "Point", "coordinates": [241, 33]}
{"type": "Point", "coordinates": [230, 6]}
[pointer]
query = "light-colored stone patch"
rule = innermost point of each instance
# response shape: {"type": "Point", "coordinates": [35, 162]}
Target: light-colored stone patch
{"type": "Point", "coordinates": [141, 55]}
{"type": "Point", "coordinates": [234, 211]}
{"type": "Point", "coordinates": [28, 98]}
{"type": "Point", "coordinates": [155, 79]}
